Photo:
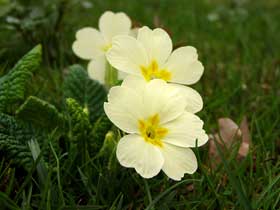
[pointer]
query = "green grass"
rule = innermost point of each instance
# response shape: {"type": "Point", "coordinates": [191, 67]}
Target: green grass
{"type": "Point", "coordinates": [240, 50]}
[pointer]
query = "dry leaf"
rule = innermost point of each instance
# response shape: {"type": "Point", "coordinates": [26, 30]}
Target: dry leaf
{"type": "Point", "coordinates": [157, 22]}
{"type": "Point", "coordinates": [265, 86]}
{"type": "Point", "coordinates": [190, 187]}
{"type": "Point", "coordinates": [229, 132]}
{"type": "Point", "coordinates": [246, 138]}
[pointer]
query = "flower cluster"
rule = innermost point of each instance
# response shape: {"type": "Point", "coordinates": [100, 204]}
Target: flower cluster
{"type": "Point", "coordinates": [152, 105]}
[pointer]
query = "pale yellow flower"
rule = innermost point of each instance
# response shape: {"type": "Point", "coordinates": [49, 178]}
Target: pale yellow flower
{"type": "Point", "coordinates": [150, 56]}
{"type": "Point", "coordinates": [160, 124]}
{"type": "Point", "coordinates": [92, 44]}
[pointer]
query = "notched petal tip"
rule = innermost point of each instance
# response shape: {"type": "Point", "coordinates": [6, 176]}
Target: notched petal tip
{"type": "Point", "coordinates": [178, 161]}
{"type": "Point", "coordinates": [112, 24]}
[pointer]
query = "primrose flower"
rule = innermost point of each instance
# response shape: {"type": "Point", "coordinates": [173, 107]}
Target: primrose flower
{"type": "Point", "coordinates": [92, 44]}
{"type": "Point", "coordinates": [160, 128]}
{"type": "Point", "coordinates": [150, 56]}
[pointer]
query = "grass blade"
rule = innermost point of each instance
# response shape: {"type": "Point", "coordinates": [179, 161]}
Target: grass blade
{"type": "Point", "coordinates": [161, 195]}
{"type": "Point", "coordinates": [267, 190]}
{"type": "Point", "coordinates": [7, 202]}
{"type": "Point", "coordinates": [235, 182]}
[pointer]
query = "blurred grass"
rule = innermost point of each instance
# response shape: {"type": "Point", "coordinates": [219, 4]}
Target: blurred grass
{"type": "Point", "coordinates": [238, 43]}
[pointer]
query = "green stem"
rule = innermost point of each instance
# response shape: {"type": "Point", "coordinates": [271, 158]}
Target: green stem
{"type": "Point", "coordinates": [111, 76]}
{"type": "Point", "coordinates": [148, 191]}
{"type": "Point", "coordinates": [58, 174]}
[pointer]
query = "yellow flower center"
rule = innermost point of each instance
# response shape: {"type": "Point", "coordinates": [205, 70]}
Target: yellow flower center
{"type": "Point", "coordinates": [151, 131]}
{"type": "Point", "coordinates": [106, 47]}
{"type": "Point", "coordinates": [153, 72]}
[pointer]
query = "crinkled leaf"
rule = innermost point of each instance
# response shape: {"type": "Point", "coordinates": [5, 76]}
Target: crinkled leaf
{"type": "Point", "coordinates": [14, 137]}
{"type": "Point", "coordinates": [40, 113]}
{"type": "Point", "coordinates": [79, 119]}
{"type": "Point", "coordinates": [90, 94]}
{"type": "Point", "coordinates": [12, 85]}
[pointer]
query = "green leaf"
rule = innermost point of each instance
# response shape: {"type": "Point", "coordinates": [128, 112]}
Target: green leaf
{"type": "Point", "coordinates": [40, 113]}
{"type": "Point", "coordinates": [79, 119]}
{"type": "Point", "coordinates": [79, 129]}
{"type": "Point", "coordinates": [90, 94]}
{"type": "Point", "coordinates": [99, 131]}
{"type": "Point", "coordinates": [12, 85]}
{"type": "Point", "coordinates": [13, 140]}
{"type": "Point", "coordinates": [41, 167]}
{"type": "Point", "coordinates": [108, 150]}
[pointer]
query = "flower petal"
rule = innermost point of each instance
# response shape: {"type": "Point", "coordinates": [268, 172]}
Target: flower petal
{"type": "Point", "coordinates": [136, 83]}
{"type": "Point", "coordinates": [89, 43]}
{"type": "Point", "coordinates": [112, 24]}
{"type": "Point", "coordinates": [184, 66]}
{"type": "Point", "coordinates": [160, 98]}
{"type": "Point", "coordinates": [156, 42]}
{"type": "Point", "coordinates": [193, 99]}
{"type": "Point", "coordinates": [127, 55]}
{"type": "Point", "coordinates": [134, 152]}
{"type": "Point", "coordinates": [96, 69]}
{"type": "Point", "coordinates": [124, 108]}
{"type": "Point", "coordinates": [185, 130]}
{"type": "Point", "coordinates": [178, 161]}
